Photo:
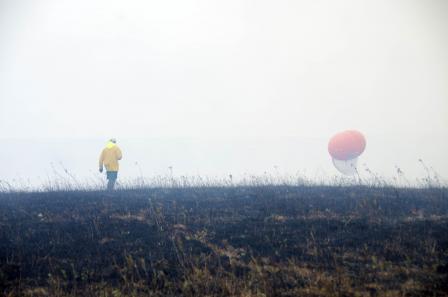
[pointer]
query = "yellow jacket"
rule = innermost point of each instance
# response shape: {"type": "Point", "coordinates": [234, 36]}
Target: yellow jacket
{"type": "Point", "coordinates": [110, 156]}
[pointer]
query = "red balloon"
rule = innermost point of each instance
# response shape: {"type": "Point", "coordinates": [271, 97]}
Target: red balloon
{"type": "Point", "coordinates": [347, 145]}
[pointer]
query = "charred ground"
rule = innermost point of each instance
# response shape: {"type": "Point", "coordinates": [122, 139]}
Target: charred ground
{"type": "Point", "coordinates": [226, 241]}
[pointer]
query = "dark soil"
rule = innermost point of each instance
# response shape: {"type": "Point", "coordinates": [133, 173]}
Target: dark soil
{"type": "Point", "coordinates": [241, 241]}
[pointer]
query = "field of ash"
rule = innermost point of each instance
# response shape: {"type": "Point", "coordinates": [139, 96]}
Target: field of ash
{"type": "Point", "coordinates": [226, 241]}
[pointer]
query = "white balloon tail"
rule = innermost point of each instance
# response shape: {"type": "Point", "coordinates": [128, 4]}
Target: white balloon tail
{"type": "Point", "coordinates": [347, 167]}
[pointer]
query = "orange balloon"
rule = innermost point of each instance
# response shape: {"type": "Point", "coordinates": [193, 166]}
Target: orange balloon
{"type": "Point", "coordinates": [347, 145]}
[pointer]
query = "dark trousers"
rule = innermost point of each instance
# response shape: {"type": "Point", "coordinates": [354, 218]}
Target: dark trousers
{"type": "Point", "coordinates": [111, 179]}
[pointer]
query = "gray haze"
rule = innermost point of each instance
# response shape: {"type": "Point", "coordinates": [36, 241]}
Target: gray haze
{"type": "Point", "coordinates": [221, 87]}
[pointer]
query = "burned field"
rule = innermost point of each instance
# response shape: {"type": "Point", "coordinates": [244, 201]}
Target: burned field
{"type": "Point", "coordinates": [235, 241]}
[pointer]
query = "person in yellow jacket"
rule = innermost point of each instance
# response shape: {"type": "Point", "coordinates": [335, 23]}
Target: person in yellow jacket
{"type": "Point", "coordinates": [109, 158]}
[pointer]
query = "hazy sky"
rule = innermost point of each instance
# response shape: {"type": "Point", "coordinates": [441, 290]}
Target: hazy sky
{"type": "Point", "coordinates": [275, 79]}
